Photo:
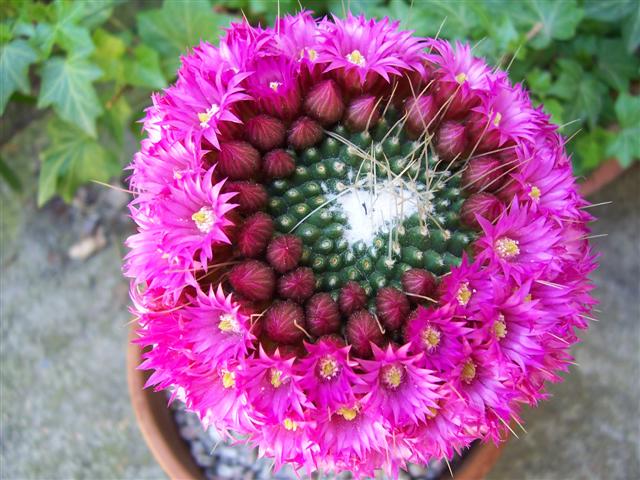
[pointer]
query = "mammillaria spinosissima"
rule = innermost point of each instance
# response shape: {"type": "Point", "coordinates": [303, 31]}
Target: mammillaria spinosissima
{"type": "Point", "coordinates": [357, 248]}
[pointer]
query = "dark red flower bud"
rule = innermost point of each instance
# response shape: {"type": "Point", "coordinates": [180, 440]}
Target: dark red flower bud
{"type": "Point", "coordinates": [265, 132]}
{"type": "Point", "coordinates": [454, 98]}
{"type": "Point", "coordinates": [278, 164]}
{"type": "Point", "coordinates": [238, 160]}
{"type": "Point", "coordinates": [284, 252]}
{"type": "Point", "coordinates": [297, 285]}
{"type": "Point", "coordinates": [333, 339]}
{"type": "Point", "coordinates": [352, 298]}
{"type": "Point", "coordinates": [251, 196]}
{"type": "Point", "coordinates": [362, 113]}
{"type": "Point", "coordinates": [253, 280]}
{"type": "Point", "coordinates": [485, 205]}
{"type": "Point", "coordinates": [323, 316]}
{"type": "Point", "coordinates": [421, 113]}
{"type": "Point", "coordinates": [254, 235]}
{"type": "Point", "coordinates": [483, 174]}
{"type": "Point", "coordinates": [418, 282]}
{"type": "Point", "coordinates": [392, 306]}
{"type": "Point", "coordinates": [305, 133]}
{"type": "Point", "coordinates": [284, 322]}
{"type": "Point", "coordinates": [451, 141]}
{"type": "Point", "coordinates": [324, 102]}
{"type": "Point", "coordinates": [362, 329]}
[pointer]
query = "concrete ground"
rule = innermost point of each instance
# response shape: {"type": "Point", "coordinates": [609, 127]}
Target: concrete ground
{"type": "Point", "coordinates": [64, 408]}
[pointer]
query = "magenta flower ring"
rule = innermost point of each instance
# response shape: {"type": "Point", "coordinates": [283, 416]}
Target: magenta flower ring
{"type": "Point", "coordinates": [356, 248]}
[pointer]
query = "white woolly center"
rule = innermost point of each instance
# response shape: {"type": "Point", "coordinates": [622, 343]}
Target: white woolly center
{"type": "Point", "coordinates": [375, 210]}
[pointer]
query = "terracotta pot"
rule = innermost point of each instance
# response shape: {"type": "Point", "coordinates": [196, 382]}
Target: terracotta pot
{"type": "Point", "coordinates": [172, 453]}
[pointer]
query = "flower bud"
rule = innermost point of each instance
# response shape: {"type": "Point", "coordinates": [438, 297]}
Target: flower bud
{"type": "Point", "coordinates": [305, 133]}
{"type": "Point", "coordinates": [265, 132]}
{"type": "Point", "coordinates": [284, 252]}
{"type": "Point", "coordinates": [420, 114]}
{"type": "Point", "coordinates": [451, 141]}
{"type": "Point", "coordinates": [297, 285]}
{"type": "Point", "coordinates": [253, 280]}
{"type": "Point", "coordinates": [278, 164]}
{"type": "Point", "coordinates": [362, 329]}
{"type": "Point", "coordinates": [352, 298]}
{"type": "Point", "coordinates": [324, 102]}
{"type": "Point", "coordinates": [363, 112]}
{"type": "Point", "coordinates": [323, 316]}
{"type": "Point", "coordinates": [418, 283]}
{"type": "Point", "coordinates": [283, 322]}
{"type": "Point", "coordinates": [238, 160]}
{"type": "Point", "coordinates": [254, 235]}
{"type": "Point", "coordinates": [483, 204]}
{"type": "Point", "coordinates": [251, 196]}
{"type": "Point", "coordinates": [483, 174]}
{"type": "Point", "coordinates": [392, 306]}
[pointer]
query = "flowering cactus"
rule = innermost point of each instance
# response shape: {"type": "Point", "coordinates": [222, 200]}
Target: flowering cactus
{"type": "Point", "coordinates": [356, 248]}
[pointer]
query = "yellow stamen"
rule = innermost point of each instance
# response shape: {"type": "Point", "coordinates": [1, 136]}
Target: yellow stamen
{"type": "Point", "coordinates": [392, 376]}
{"type": "Point", "coordinates": [348, 413]}
{"type": "Point", "coordinates": [468, 371]}
{"type": "Point", "coordinates": [431, 412]}
{"type": "Point", "coordinates": [528, 298]}
{"type": "Point", "coordinates": [507, 247]}
{"type": "Point", "coordinates": [464, 294]}
{"type": "Point", "coordinates": [228, 379]}
{"type": "Point", "coordinates": [228, 324]}
{"type": "Point", "coordinates": [500, 327]}
{"type": "Point", "coordinates": [356, 58]}
{"type": "Point", "coordinates": [535, 193]}
{"type": "Point", "coordinates": [274, 86]}
{"type": "Point", "coordinates": [430, 338]}
{"type": "Point", "coordinates": [276, 377]}
{"type": "Point", "coordinates": [204, 219]}
{"type": "Point", "coordinates": [205, 117]}
{"type": "Point", "coordinates": [328, 367]}
{"type": "Point", "coordinates": [461, 77]}
{"type": "Point", "coordinates": [496, 119]}
{"type": "Point", "coordinates": [290, 425]}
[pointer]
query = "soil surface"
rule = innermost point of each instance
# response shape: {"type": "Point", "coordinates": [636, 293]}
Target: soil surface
{"type": "Point", "coordinates": [64, 407]}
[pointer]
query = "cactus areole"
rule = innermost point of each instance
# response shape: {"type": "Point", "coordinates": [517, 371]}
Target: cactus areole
{"type": "Point", "coordinates": [356, 247]}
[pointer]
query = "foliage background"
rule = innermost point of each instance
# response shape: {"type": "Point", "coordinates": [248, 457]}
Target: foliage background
{"type": "Point", "coordinates": [91, 65]}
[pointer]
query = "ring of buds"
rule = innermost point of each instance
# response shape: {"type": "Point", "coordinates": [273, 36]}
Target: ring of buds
{"type": "Point", "coordinates": [357, 248]}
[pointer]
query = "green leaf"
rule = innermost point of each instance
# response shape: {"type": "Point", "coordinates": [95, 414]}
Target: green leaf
{"type": "Point", "coordinates": [144, 70]}
{"type": "Point", "coordinates": [539, 81]}
{"type": "Point", "coordinates": [554, 108]}
{"type": "Point", "coordinates": [108, 55]}
{"type": "Point", "coordinates": [116, 119]}
{"type": "Point", "coordinates": [582, 91]}
{"type": "Point", "coordinates": [15, 58]}
{"type": "Point", "coordinates": [10, 176]}
{"type": "Point", "coordinates": [626, 144]}
{"type": "Point", "coordinates": [179, 25]}
{"type": "Point", "coordinates": [631, 30]}
{"type": "Point", "coordinates": [66, 85]}
{"type": "Point", "coordinates": [75, 40]}
{"type": "Point", "coordinates": [615, 66]}
{"type": "Point", "coordinates": [554, 20]}
{"type": "Point", "coordinates": [73, 158]}
{"type": "Point", "coordinates": [607, 10]}
{"type": "Point", "coordinates": [590, 149]}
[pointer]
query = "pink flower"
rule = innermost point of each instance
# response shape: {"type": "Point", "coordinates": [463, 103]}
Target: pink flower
{"type": "Point", "coordinates": [399, 389]}
{"type": "Point", "coordinates": [360, 50]}
{"type": "Point", "coordinates": [273, 388]}
{"type": "Point", "coordinates": [522, 244]}
{"type": "Point", "coordinates": [437, 334]}
{"type": "Point", "coordinates": [328, 375]}
{"type": "Point", "coordinates": [192, 217]}
{"type": "Point", "coordinates": [215, 328]}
